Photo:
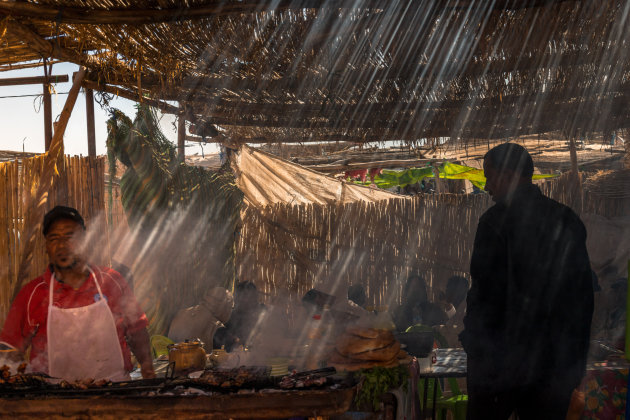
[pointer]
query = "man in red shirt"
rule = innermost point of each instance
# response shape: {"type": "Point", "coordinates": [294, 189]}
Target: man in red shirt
{"type": "Point", "coordinates": [81, 321]}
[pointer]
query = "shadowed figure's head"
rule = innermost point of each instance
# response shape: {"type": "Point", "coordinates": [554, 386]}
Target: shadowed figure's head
{"type": "Point", "coordinates": [506, 167]}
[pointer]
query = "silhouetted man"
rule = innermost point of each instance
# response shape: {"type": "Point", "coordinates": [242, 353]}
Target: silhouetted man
{"type": "Point", "coordinates": [529, 309]}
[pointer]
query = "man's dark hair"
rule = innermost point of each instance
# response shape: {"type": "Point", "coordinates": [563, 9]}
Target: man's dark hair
{"type": "Point", "coordinates": [415, 291]}
{"type": "Point", "coordinates": [511, 157]}
{"type": "Point", "coordinates": [246, 286]}
{"type": "Point", "coordinates": [318, 298]}
{"type": "Point", "coordinates": [356, 293]}
{"type": "Point", "coordinates": [62, 212]}
{"type": "Point", "coordinates": [456, 290]}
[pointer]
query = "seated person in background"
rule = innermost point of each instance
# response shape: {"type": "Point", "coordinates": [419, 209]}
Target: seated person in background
{"type": "Point", "coordinates": [413, 296]}
{"type": "Point", "coordinates": [417, 310]}
{"type": "Point", "coordinates": [243, 323]}
{"type": "Point", "coordinates": [342, 311]}
{"type": "Point", "coordinates": [454, 296]}
{"type": "Point", "coordinates": [454, 304]}
{"type": "Point", "coordinates": [356, 294]}
{"type": "Point", "coordinates": [203, 320]}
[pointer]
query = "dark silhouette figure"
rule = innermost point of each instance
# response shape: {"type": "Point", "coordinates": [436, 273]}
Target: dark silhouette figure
{"type": "Point", "coordinates": [356, 294]}
{"type": "Point", "coordinates": [247, 310]}
{"type": "Point", "coordinates": [416, 309]}
{"type": "Point", "coordinates": [529, 309]}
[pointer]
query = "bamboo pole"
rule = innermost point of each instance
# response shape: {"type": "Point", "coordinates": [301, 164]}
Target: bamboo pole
{"type": "Point", "coordinates": [91, 132]}
{"type": "Point", "coordinates": [438, 182]}
{"type": "Point", "coordinates": [181, 137]}
{"type": "Point", "coordinates": [576, 187]}
{"type": "Point", "coordinates": [47, 117]}
{"type": "Point", "coordinates": [36, 208]}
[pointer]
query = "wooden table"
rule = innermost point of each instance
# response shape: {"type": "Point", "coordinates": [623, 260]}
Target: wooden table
{"type": "Point", "coordinates": [450, 363]}
{"type": "Point", "coordinates": [261, 404]}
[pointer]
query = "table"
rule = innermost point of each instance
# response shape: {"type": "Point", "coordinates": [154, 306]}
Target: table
{"type": "Point", "coordinates": [450, 363]}
{"type": "Point", "coordinates": [604, 388]}
{"type": "Point", "coordinates": [262, 404]}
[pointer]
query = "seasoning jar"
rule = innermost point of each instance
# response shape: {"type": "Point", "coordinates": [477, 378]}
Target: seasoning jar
{"type": "Point", "coordinates": [188, 356]}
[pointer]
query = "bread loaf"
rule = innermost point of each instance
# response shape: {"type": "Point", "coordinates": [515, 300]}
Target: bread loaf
{"type": "Point", "coordinates": [357, 365]}
{"type": "Point", "coordinates": [380, 354]}
{"type": "Point", "coordinates": [350, 344]}
{"type": "Point", "coordinates": [363, 332]}
{"type": "Point", "coordinates": [365, 348]}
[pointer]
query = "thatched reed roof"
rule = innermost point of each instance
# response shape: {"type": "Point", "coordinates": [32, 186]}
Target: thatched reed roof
{"type": "Point", "coordinates": [346, 70]}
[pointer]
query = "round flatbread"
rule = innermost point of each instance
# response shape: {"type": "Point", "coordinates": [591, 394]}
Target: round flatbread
{"type": "Point", "coordinates": [336, 357]}
{"type": "Point", "coordinates": [349, 344]}
{"type": "Point", "coordinates": [363, 332]}
{"type": "Point", "coordinates": [383, 354]}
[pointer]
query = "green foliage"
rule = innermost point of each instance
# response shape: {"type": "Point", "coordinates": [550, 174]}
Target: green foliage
{"type": "Point", "coordinates": [379, 380]}
{"type": "Point", "coordinates": [184, 217]}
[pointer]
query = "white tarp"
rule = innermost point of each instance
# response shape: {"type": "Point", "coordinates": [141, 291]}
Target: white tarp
{"type": "Point", "coordinates": [266, 179]}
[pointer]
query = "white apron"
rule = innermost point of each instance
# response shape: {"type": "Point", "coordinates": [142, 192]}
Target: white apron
{"type": "Point", "coordinates": [83, 342]}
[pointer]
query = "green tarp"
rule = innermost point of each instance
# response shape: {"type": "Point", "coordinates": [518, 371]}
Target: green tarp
{"type": "Point", "coordinates": [447, 170]}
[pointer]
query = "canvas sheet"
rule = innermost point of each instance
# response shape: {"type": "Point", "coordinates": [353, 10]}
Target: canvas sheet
{"type": "Point", "coordinates": [266, 179]}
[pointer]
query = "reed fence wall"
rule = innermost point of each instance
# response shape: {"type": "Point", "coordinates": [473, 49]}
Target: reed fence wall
{"type": "Point", "coordinates": [79, 184]}
{"type": "Point", "coordinates": [295, 248]}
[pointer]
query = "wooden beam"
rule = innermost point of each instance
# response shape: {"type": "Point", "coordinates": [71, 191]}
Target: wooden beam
{"type": "Point", "coordinates": [576, 190]}
{"type": "Point", "coordinates": [137, 16]}
{"type": "Point", "coordinates": [35, 80]}
{"type": "Point", "coordinates": [131, 95]}
{"type": "Point", "coordinates": [10, 66]}
{"type": "Point", "coordinates": [514, 113]}
{"type": "Point", "coordinates": [191, 86]}
{"type": "Point", "coordinates": [36, 207]}
{"type": "Point", "coordinates": [384, 164]}
{"type": "Point", "coordinates": [181, 138]}
{"type": "Point", "coordinates": [492, 126]}
{"type": "Point", "coordinates": [44, 47]}
{"type": "Point", "coordinates": [226, 109]}
{"type": "Point", "coordinates": [52, 49]}
{"type": "Point", "coordinates": [355, 157]}
{"type": "Point", "coordinates": [91, 132]}
{"type": "Point", "coordinates": [48, 128]}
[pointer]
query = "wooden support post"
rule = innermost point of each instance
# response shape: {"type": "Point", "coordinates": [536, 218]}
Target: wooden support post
{"type": "Point", "coordinates": [439, 188]}
{"type": "Point", "coordinates": [181, 137]}
{"type": "Point", "coordinates": [91, 133]}
{"type": "Point", "coordinates": [575, 176]}
{"type": "Point", "coordinates": [573, 155]}
{"type": "Point", "coordinates": [48, 129]}
{"type": "Point", "coordinates": [36, 207]}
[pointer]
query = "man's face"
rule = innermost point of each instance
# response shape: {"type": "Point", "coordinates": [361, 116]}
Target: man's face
{"type": "Point", "coordinates": [63, 243]}
{"type": "Point", "coordinates": [498, 185]}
